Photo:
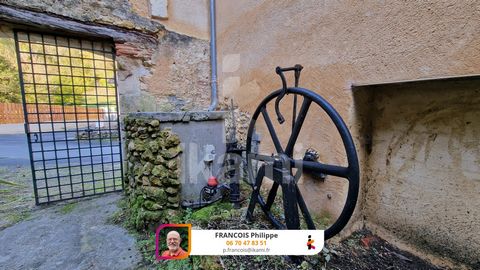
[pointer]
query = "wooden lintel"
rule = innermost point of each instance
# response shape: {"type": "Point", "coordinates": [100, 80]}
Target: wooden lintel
{"type": "Point", "coordinates": [48, 22]}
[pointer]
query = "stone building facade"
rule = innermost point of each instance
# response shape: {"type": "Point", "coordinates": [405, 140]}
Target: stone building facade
{"type": "Point", "coordinates": [403, 75]}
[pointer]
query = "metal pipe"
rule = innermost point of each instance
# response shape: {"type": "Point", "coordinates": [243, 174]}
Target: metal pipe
{"type": "Point", "coordinates": [213, 57]}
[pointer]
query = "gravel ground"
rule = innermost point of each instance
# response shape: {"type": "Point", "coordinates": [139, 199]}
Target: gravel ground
{"type": "Point", "coordinates": [68, 235]}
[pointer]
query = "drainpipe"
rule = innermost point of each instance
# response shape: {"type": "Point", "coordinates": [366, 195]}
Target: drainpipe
{"type": "Point", "coordinates": [213, 57]}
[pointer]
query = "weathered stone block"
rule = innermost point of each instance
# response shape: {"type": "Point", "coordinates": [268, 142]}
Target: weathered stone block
{"type": "Point", "coordinates": [148, 155]}
{"type": "Point", "coordinates": [165, 133]}
{"type": "Point", "coordinates": [154, 193]}
{"type": "Point", "coordinates": [139, 145]}
{"type": "Point", "coordinates": [138, 169]}
{"type": "Point", "coordinates": [171, 191]}
{"type": "Point", "coordinates": [159, 160]}
{"type": "Point", "coordinates": [173, 205]}
{"type": "Point", "coordinates": [172, 140]}
{"type": "Point", "coordinates": [154, 146]}
{"type": "Point", "coordinates": [131, 146]}
{"type": "Point", "coordinates": [145, 181]}
{"type": "Point", "coordinates": [171, 182]}
{"type": "Point", "coordinates": [173, 199]}
{"type": "Point", "coordinates": [151, 205]}
{"type": "Point", "coordinates": [172, 164]}
{"type": "Point", "coordinates": [139, 122]}
{"type": "Point", "coordinates": [147, 168]}
{"type": "Point", "coordinates": [171, 152]}
{"type": "Point", "coordinates": [154, 123]}
{"type": "Point", "coordinates": [155, 181]}
{"type": "Point", "coordinates": [160, 171]}
{"type": "Point", "coordinates": [173, 174]}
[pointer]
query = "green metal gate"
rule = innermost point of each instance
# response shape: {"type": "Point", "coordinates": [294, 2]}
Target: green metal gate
{"type": "Point", "coordinates": [70, 105]}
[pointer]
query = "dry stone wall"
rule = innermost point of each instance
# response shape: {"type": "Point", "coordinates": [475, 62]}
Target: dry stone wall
{"type": "Point", "coordinates": [152, 172]}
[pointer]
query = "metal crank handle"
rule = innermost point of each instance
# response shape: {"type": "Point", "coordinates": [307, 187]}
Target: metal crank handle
{"type": "Point", "coordinates": [297, 68]}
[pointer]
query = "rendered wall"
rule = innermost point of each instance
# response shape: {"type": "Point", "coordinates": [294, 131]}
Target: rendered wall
{"type": "Point", "coordinates": [341, 43]}
{"type": "Point", "coordinates": [423, 170]}
{"type": "Point", "coordinates": [189, 17]}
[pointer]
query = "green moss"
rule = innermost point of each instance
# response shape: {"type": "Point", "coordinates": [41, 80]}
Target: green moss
{"type": "Point", "coordinates": [68, 208]}
{"type": "Point", "coordinates": [173, 182]}
{"type": "Point", "coordinates": [150, 205]}
{"type": "Point", "coordinates": [171, 191]}
{"type": "Point", "coordinates": [160, 171]}
{"type": "Point", "coordinates": [10, 197]}
{"type": "Point", "coordinates": [147, 168]}
{"type": "Point", "coordinates": [153, 146]}
{"type": "Point", "coordinates": [205, 214]}
{"type": "Point", "coordinates": [139, 145]}
{"type": "Point", "coordinates": [176, 216]}
{"type": "Point", "coordinates": [117, 218]}
{"type": "Point", "coordinates": [16, 217]}
{"type": "Point", "coordinates": [207, 262]}
{"type": "Point", "coordinates": [5, 182]}
{"type": "Point", "coordinates": [171, 152]}
{"type": "Point", "coordinates": [322, 221]}
{"type": "Point", "coordinates": [155, 193]}
{"type": "Point", "coordinates": [159, 160]}
{"type": "Point", "coordinates": [148, 155]}
{"type": "Point", "coordinates": [172, 164]}
{"type": "Point", "coordinates": [172, 140]}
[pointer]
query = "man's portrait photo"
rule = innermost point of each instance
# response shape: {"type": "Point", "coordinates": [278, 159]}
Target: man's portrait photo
{"type": "Point", "coordinates": [173, 242]}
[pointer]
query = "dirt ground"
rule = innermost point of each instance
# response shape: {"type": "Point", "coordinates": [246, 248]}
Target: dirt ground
{"type": "Point", "coordinates": [362, 250]}
{"type": "Point", "coordinates": [16, 196]}
{"type": "Point", "coordinates": [75, 234]}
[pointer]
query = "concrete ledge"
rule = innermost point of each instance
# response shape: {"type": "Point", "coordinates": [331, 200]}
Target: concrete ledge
{"type": "Point", "coordinates": [181, 116]}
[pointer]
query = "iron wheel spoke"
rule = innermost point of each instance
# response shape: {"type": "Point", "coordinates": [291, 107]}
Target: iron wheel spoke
{"type": "Point", "coordinates": [271, 130]}
{"type": "Point", "coordinates": [290, 204]}
{"type": "Point", "coordinates": [318, 167]}
{"type": "Point", "coordinates": [305, 212]}
{"type": "Point", "coordinates": [260, 157]}
{"type": "Point", "coordinates": [302, 114]}
{"type": "Point", "coordinates": [271, 195]}
{"type": "Point", "coordinates": [256, 192]}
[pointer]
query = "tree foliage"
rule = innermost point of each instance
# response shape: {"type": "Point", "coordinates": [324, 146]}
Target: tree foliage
{"type": "Point", "coordinates": [57, 74]}
{"type": "Point", "coordinates": [9, 83]}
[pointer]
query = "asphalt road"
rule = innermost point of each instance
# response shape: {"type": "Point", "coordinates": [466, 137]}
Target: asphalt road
{"type": "Point", "coordinates": [14, 150]}
{"type": "Point", "coordinates": [64, 150]}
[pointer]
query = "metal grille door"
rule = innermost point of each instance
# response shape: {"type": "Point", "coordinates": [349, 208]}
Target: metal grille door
{"type": "Point", "coordinates": [71, 115]}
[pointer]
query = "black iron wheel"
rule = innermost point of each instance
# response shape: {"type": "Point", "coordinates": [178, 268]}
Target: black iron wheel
{"type": "Point", "coordinates": [279, 166]}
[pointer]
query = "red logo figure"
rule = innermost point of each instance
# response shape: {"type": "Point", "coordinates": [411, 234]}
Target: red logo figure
{"type": "Point", "coordinates": [310, 242]}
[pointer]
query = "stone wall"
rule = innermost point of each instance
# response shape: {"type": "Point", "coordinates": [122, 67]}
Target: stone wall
{"type": "Point", "coordinates": [157, 69]}
{"type": "Point", "coordinates": [152, 173]}
{"type": "Point", "coordinates": [107, 12]}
